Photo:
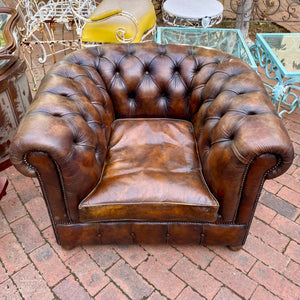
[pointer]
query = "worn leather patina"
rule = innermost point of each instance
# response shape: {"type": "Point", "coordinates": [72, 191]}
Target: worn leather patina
{"type": "Point", "coordinates": [151, 174]}
{"type": "Point", "coordinates": [151, 143]}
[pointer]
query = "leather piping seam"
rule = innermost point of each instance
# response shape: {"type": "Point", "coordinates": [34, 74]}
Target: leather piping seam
{"type": "Point", "coordinates": [99, 179]}
{"type": "Point", "coordinates": [60, 181]}
{"type": "Point", "coordinates": [43, 190]}
{"type": "Point", "coordinates": [129, 220]}
{"type": "Point", "coordinates": [95, 187]}
{"type": "Point", "coordinates": [260, 186]}
{"type": "Point", "coordinates": [136, 222]}
{"type": "Point", "coordinates": [241, 189]}
{"type": "Point", "coordinates": [201, 172]}
{"type": "Point", "coordinates": [63, 189]}
{"type": "Point", "coordinates": [257, 197]}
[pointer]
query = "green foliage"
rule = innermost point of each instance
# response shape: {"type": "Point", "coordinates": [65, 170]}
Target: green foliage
{"type": "Point", "coordinates": [2, 43]}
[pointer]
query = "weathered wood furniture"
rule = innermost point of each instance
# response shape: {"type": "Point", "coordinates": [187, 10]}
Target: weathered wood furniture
{"type": "Point", "coordinates": [15, 95]}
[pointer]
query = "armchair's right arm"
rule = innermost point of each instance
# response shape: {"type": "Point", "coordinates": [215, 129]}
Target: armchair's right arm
{"type": "Point", "coordinates": [241, 140]}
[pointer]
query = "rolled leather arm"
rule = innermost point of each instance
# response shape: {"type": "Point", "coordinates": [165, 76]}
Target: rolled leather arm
{"type": "Point", "coordinates": [70, 123]}
{"type": "Point", "coordinates": [236, 125]}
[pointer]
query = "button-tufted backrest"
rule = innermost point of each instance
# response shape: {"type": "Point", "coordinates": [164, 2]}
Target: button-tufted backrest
{"type": "Point", "coordinates": [150, 80]}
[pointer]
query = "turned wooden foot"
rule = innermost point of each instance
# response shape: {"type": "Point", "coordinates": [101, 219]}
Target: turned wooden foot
{"type": "Point", "coordinates": [235, 248]}
{"type": "Point", "coordinates": [68, 248]}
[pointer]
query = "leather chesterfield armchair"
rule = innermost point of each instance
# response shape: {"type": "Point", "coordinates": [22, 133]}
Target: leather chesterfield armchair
{"type": "Point", "coordinates": [148, 143]}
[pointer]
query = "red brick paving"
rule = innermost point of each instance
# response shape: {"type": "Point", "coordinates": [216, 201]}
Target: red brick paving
{"type": "Point", "coordinates": [200, 280]}
{"type": "Point", "coordinates": [267, 254]}
{"type": "Point", "coordinates": [88, 272]}
{"type": "Point", "coordinates": [38, 212]}
{"type": "Point", "coordinates": [135, 256]}
{"type": "Point", "coordinates": [241, 260]}
{"type": "Point", "coordinates": [4, 227]}
{"type": "Point", "coordinates": [166, 255]}
{"type": "Point", "coordinates": [225, 293]}
{"type": "Point", "coordinates": [156, 296]}
{"type": "Point", "coordinates": [104, 258]}
{"type": "Point", "coordinates": [265, 213]}
{"type": "Point", "coordinates": [111, 292]}
{"type": "Point", "coordinates": [3, 274]}
{"type": "Point", "coordinates": [189, 294]}
{"type": "Point", "coordinates": [12, 206]}
{"type": "Point", "coordinates": [287, 227]}
{"type": "Point", "coordinates": [12, 255]}
{"type": "Point", "coordinates": [164, 280]}
{"type": "Point", "coordinates": [33, 266]}
{"type": "Point", "coordinates": [8, 290]}
{"type": "Point", "coordinates": [130, 281]}
{"type": "Point", "coordinates": [31, 285]}
{"type": "Point", "coordinates": [27, 234]}
{"type": "Point", "coordinates": [262, 293]}
{"type": "Point", "coordinates": [293, 251]}
{"type": "Point", "coordinates": [274, 282]}
{"type": "Point", "coordinates": [70, 289]}
{"type": "Point", "coordinates": [269, 235]}
{"type": "Point", "coordinates": [199, 255]}
{"type": "Point", "coordinates": [292, 272]}
{"type": "Point", "coordinates": [230, 276]}
{"type": "Point", "coordinates": [49, 264]}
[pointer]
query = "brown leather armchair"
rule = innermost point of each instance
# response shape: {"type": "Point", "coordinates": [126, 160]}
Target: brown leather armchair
{"type": "Point", "coordinates": [151, 143]}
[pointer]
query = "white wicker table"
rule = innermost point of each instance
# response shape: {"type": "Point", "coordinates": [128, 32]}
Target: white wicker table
{"type": "Point", "coordinates": [194, 13]}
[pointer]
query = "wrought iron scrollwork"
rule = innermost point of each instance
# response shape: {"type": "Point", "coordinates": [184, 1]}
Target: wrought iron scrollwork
{"type": "Point", "coordinates": [292, 11]}
{"type": "Point", "coordinates": [282, 91]}
{"type": "Point", "coordinates": [263, 10]}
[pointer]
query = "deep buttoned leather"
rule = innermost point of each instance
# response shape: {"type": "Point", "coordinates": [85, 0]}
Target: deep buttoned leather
{"type": "Point", "coordinates": [239, 138]}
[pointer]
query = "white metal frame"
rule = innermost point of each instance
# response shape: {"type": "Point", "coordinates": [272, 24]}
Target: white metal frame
{"type": "Point", "coordinates": [41, 17]}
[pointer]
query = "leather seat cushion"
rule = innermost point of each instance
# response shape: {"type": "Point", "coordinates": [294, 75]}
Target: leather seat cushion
{"type": "Point", "coordinates": [152, 173]}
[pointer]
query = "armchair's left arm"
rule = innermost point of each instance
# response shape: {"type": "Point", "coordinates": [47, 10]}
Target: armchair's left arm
{"type": "Point", "coordinates": [63, 138]}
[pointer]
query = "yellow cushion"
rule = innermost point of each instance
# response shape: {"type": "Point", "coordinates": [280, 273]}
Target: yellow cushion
{"type": "Point", "coordinates": [104, 30]}
{"type": "Point", "coordinates": [96, 16]}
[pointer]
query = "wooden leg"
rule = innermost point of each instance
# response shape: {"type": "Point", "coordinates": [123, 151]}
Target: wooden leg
{"type": "Point", "coordinates": [235, 248]}
{"type": "Point", "coordinates": [3, 186]}
{"type": "Point", "coordinates": [68, 248]}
